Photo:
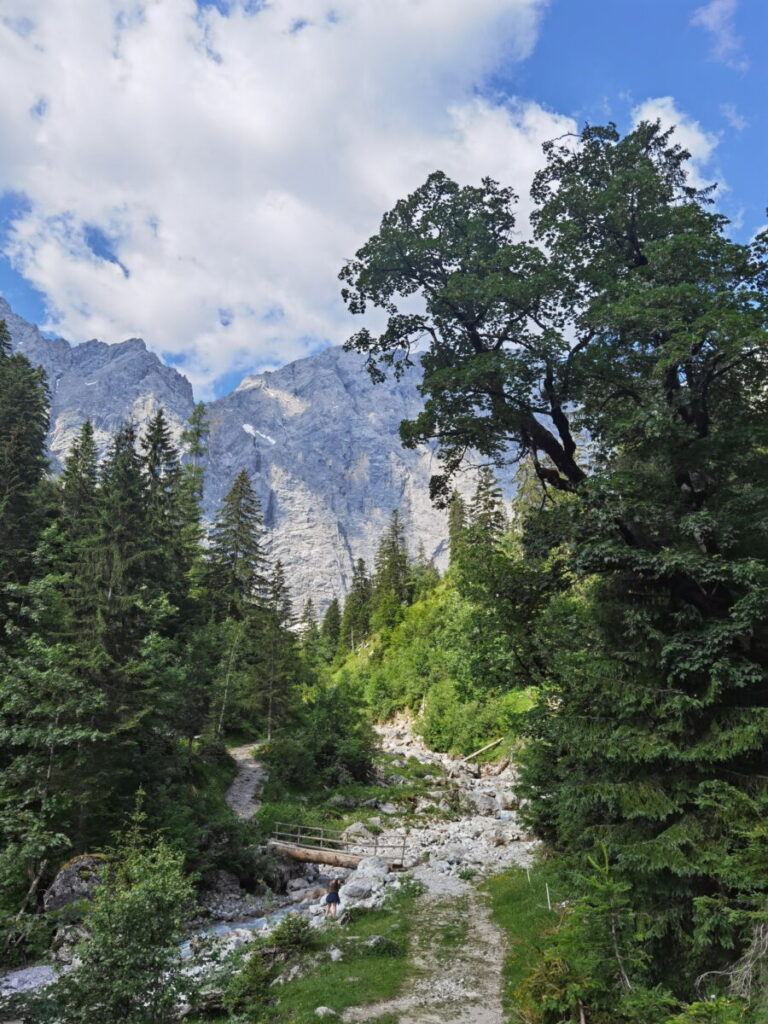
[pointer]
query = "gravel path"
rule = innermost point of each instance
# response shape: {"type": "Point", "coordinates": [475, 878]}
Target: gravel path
{"type": "Point", "coordinates": [243, 795]}
{"type": "Point", "coordinates": [450, 984]}
{"type": "Point", "coordinates": [458, 952]}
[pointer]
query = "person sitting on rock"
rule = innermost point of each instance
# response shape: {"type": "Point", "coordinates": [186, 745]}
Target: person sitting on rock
{"type": "Point", "coordinates": [332, 898]}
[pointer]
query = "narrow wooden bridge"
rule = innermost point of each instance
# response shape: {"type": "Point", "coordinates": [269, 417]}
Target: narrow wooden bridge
{"type": "Point", "coordinates": [333, 846]}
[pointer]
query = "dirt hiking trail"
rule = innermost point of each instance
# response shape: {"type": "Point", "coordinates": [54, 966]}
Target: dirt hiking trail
{"type": "Point", "coordinates": [457, 954]}
{"type": "Point", "coordinates": [243, 796]}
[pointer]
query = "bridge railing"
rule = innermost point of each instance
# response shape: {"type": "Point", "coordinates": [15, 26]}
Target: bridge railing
{"type": "Point", "coordinates": [320, 838]}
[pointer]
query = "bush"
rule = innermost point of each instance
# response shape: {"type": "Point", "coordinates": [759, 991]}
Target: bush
{"type": "Point", "coordinates": [247, 992]}
{"type": "Point", "coordinates": [333, 745]}
{"type": "Point", "coordinates": [130, 970]}
{"type": "Point", "coordinates": [715, 1011]}
{"type": "Point", "coordinates": [292, 935]}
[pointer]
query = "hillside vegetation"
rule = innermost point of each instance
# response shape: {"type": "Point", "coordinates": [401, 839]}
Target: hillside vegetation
{"type": "Point", "coordinates": [613, 625]}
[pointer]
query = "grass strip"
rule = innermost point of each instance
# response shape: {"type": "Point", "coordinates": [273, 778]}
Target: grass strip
{"type": "Point", "coordinates": [362, 976]}
{"type": "Point", "coordinates": [519, 907]}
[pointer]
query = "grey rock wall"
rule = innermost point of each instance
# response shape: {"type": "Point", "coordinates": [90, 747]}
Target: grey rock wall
{"type": "Point", "coordinates": [322, 445]}
{"type": "Point", "coordinates": [320, 440]}
{"type": "Point", "coordinates": [108, 384]}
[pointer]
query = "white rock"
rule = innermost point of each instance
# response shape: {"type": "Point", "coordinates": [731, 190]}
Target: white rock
{"type": "Point", "coordinates": [372, 867]}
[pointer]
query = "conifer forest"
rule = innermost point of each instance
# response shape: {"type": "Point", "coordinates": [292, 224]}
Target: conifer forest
{"type": "Point", "coordinates": [604, 631]}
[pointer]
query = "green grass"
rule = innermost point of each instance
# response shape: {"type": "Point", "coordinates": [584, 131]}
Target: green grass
{"type": "Point", "coordinates": [362, 976]}
{"type": "Point", "coordinates": [519, 906]}
{"type": "Point", "coordinates": [448, 936]}
{"type": "Point", "coordinates": [358, 978]}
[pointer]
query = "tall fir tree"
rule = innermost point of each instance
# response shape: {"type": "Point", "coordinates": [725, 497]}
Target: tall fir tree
{"type": "Point", "coordinates": [237, 562]}
{"type": "Point", "coordinates": [422, 575]}
{"type": "Point", "coordinates": [487, 516]}
{"type": "Point", "coordinates": [330, 630]}
{"type": "Point", "coordinates": [279, 665]}
{"type": "Point", "coordinates": [457, 524]}
{"type": "Point", "coordinates": [310, 640]}
{"type": "Point", "coordinates": [356, 619]}
{"type": "Point", "coordinates": [23, 429]}
{"type": "Point", "coordinates": [391, 592]}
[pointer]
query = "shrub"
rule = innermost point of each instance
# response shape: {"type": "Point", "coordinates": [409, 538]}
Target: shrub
{"type": "Point", "coordinates": [292, 935]}
{"type": "Point", "coordinates": [333, 745]}
{"type": "Point", "coordinates": [130, 970]}
{"type": "Point", "coordinates": [247, 992]}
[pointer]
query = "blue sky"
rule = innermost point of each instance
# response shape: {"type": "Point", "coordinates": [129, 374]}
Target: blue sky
{"type": "Point", "coordinates": [195, 172]}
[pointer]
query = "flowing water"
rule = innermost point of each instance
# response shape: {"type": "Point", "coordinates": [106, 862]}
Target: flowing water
{"type": "Point", "coordinates": [26, 979]}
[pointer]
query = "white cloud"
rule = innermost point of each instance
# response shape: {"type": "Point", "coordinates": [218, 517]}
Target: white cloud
{"type": "Point", "coordinates": [716, 17]}
{"type": "Point", "coordinates": [235, 162]}
{"type": "Point", "coordinates": [688, 133]}
{"type": "Point", "coordinates": [736, 120]}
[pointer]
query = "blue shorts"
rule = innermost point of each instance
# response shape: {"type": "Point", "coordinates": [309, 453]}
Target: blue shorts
{"type": "Point", "coordinates": [332, 897]}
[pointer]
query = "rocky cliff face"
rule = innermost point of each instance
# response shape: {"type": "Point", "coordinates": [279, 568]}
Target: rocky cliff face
{"type": "Point", "coordinates": [108, 384]}
{"type": "Point", "coordinates": [321, 442]}
{"type": "Point", "coordinates": [319, 439]}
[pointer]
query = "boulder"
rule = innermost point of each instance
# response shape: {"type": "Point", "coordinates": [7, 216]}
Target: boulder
{"type": "Point", "coordinates": [372, 867]}
{"type": "Point", "coordinates": [359, 891]}
{"type": "Point", "coordinates": [483, 803]}
{"type": "Point", "coordinates": [75, 881]}
{"type": "Point", "coordinates": [325, 1011]}
{"type": "Point", "coordinates": [453, 853]}
{"type": "Point", "coordinates": [505, 799]}
{"type": "Point", "coordinates": [224, 898]}
{"type": "Point", "coordinates": [357, 830]}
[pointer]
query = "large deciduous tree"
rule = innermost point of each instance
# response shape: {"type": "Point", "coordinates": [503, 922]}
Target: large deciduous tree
{"type": "Point", "coordinates": [622, 351]}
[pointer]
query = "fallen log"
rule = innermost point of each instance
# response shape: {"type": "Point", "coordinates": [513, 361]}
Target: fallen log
{"type": "Point", "coordinates": [318, 855]}
{"type": "Point", "coordinates": [315, 854]}
{"type": "Point", "coordinates": [482, 750]}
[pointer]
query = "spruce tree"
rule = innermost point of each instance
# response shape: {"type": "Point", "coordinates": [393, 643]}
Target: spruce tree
{"type": "Point", "coordinates": [124, 548]}
{"type": "Point", "coordinates": [279, 597]}
{"type": "Point", "coordinates": [355, 621]}
{"type": "Point", "coordinates": [457, 523]}
{"type": "Point", "coordinates": [422, 575]}
{"type": "Point", "coordinates": [50, 736]}
{"type": "Point", "coordinates": [310, 640]}
{"type": "Point", "coordinates": [278, 666]}
{"type": "Point", "coordinates": [23, 430]}
{"type": "Point", "coordinates": [80, 475]}
{"type": "Point", "coordinates": [330, 630]}
{"type": "Point", "coordinates": [486, 514]}
{"type": "Point", "coordinates": [237, 565]}
{"type": "Point", "coordinates": [194, 439]}
{"type": "Point", "coordinates": [391, 591]}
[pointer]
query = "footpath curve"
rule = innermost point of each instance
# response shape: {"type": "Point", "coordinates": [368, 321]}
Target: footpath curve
{"type": "Point", "coordinates": [243, 796]}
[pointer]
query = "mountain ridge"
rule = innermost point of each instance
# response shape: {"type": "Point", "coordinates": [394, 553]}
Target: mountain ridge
{"type": "Point", "coordinates": [319, 439]}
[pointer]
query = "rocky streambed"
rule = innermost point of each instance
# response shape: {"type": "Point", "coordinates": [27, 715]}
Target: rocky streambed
{"type": "Point", "coordinates": [463, 825]}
